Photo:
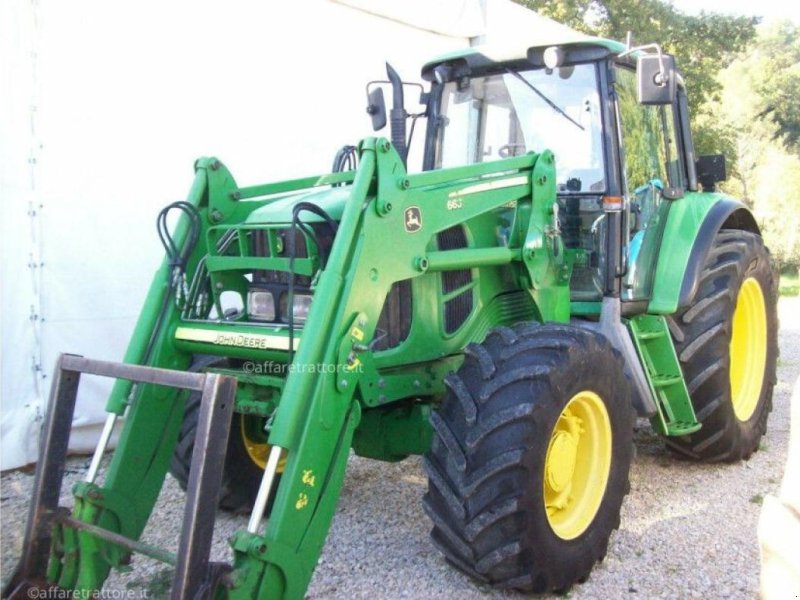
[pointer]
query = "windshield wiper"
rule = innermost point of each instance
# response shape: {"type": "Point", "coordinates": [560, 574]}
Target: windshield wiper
{"type": "Point", "coordinates": [552, 104]}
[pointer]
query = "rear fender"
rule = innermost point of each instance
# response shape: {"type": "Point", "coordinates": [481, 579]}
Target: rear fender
{"type": "Point", "coordinates": [688, 236]}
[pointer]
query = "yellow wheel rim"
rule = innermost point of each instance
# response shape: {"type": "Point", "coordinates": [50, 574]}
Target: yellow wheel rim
{"type": "Point", "coordinates": [748, 349]}
{"type": "Point", "coordinates": [577, 465]}
{"type": "Point", "coordinates": [255, 442]}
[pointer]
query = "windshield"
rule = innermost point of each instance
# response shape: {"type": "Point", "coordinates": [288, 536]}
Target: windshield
{"type": "Point", "coordinates": [512, 113]}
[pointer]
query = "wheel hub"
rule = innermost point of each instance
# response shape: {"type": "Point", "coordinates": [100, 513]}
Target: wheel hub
{"type": "Point", "coordinates": [561, 464]}
{"type": "Point", "coordinates": [577, 465]}
{"type": "Point", "coordinates": [748, 349]}
{"type": "Point", "coordinates": [255, 442]}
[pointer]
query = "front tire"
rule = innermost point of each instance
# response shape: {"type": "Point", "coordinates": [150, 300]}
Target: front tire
{"type": "Point", "coordinates": [727, 344]}
{"type": "Point", "coordinates": [530, 457]}
{"type": "Point", "coordinates": [245, 457]}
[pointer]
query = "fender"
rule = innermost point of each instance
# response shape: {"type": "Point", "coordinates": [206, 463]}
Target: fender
{"type": "Point", "coordinates": [689, 233]}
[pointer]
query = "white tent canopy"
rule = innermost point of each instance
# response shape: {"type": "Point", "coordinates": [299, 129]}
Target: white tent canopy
{"type": "Point", "coordinates": [107, 104]}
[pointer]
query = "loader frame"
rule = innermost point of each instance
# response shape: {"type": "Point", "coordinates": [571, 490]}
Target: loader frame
{"type": "Point", "coordinates": [318, 411]}
{"type": "Point", "coordinates": [194, 574]}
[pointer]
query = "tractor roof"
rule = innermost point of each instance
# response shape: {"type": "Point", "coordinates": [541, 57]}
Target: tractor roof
{"type": "Point", "coordinates": [579, 47]}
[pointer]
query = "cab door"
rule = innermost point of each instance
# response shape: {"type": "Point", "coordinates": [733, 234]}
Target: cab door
{"type": "Point", "coordinates": [652, 173]}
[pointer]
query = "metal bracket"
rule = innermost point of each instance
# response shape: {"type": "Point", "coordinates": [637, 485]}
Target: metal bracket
{"type": "Point", "coordinates": [193, 570]}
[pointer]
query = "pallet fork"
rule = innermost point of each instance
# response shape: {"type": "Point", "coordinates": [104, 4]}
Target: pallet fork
{"type": "Point", "coordinates": [195, 575]}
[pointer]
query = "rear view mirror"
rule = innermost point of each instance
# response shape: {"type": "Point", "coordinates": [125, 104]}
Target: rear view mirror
{"type": "Point", "coordinates": [710, 170]}
{"type": "Point", "coordinates": [376, 108]}
{"type": "Point", "coordinates": [657, 78]}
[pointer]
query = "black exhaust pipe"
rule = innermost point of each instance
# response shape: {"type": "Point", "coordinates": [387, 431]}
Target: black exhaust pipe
{"type": "Point", "coordinates": [398, 115]}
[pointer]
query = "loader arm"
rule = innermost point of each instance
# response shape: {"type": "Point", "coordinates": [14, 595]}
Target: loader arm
{"type": "Point", "coordinates": [318, 411]}
{"type": "Point", "coordinates": [153, 413]}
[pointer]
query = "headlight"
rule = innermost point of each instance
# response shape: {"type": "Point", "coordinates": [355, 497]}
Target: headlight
{"type": "Point", "coordinates": [302, 302]}
{"type": "Point", "coordinates": [261, 305]}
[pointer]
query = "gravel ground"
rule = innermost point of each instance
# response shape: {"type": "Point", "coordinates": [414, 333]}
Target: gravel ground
{"type": "Point", "coordinates": [688, 530]}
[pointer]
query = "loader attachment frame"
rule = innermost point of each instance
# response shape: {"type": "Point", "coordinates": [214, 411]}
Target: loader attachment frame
{"type": "Point", "coordinates": [194, 574]}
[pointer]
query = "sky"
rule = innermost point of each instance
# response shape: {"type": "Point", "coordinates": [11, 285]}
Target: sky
{"type": "Point", "coordinates": [768, 9]}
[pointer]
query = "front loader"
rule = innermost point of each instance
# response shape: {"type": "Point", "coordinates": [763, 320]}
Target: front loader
{"type": "Point", "coordinates": [552, 272]}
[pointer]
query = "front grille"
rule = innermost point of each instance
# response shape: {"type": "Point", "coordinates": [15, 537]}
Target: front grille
{"type": "Point", "coordinates": [452, 280]}
{"type": "Point", "coordinates": [312, 240]}
{"type": "Point", "coordinates": [259, 247]}
{"type": "Point", "coordinates": [457, 309]}
{"type": "Point", "coordinates": [394, 324]}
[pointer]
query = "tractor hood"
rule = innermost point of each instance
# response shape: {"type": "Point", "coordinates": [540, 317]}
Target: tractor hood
{"type": "Point", "coordinates": [330, 200]}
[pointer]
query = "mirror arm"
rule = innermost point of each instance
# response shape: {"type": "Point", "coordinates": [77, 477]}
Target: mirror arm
{"type": "Point", "coordinates": [657, 48]}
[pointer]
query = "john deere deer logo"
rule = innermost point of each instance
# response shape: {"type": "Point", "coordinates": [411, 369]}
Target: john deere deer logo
{"type": "Point", "coordinates": [413, 219]}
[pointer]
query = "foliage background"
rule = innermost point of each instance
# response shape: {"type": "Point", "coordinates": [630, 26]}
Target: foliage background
{"type": "Point", "coordinates": [744, 89]}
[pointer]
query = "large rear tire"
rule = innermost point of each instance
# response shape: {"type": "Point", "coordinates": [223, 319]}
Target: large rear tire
{"type": "Point", "coordinates": [727, 344]}
{"type": "Point", "coordinates": [530, 457]}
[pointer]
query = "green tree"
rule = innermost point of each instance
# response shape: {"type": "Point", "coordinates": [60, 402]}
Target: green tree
{"type": "Point", "coordinates": [760, 103]}
{"type": "Point", "coordinates": [776, 204]}
{"type": "Point", "coordinates": [703, 44]}
{"type": "Point", "coordinates": [762, 87]}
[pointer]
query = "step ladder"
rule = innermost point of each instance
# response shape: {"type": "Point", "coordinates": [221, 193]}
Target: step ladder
{"type": "Point", "coordinates": [657, 352]}
{"type": "Point", "coordinates": [195, 576]}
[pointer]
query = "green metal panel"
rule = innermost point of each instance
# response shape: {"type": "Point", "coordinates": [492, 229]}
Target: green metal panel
{"type": "Point", "coordinates": [330, 200]}
{"type": "Point", "coordinates": [685, 218]}
{"type": "Point", "coordinates": [585, 308]}
{"type": "Point", "coordinates": [393, 433]}
{"type": "Point", "coordinates": [292, 185]}
{"type": "Point", "coordinates": [302, 266]}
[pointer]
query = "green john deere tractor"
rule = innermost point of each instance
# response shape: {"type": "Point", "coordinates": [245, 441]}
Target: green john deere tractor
{"type": "Point", "coordinates": [551, 273]}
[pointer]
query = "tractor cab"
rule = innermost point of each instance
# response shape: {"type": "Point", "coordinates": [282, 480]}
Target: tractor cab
{"type": "Point", "coordinates": [621, 141]}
